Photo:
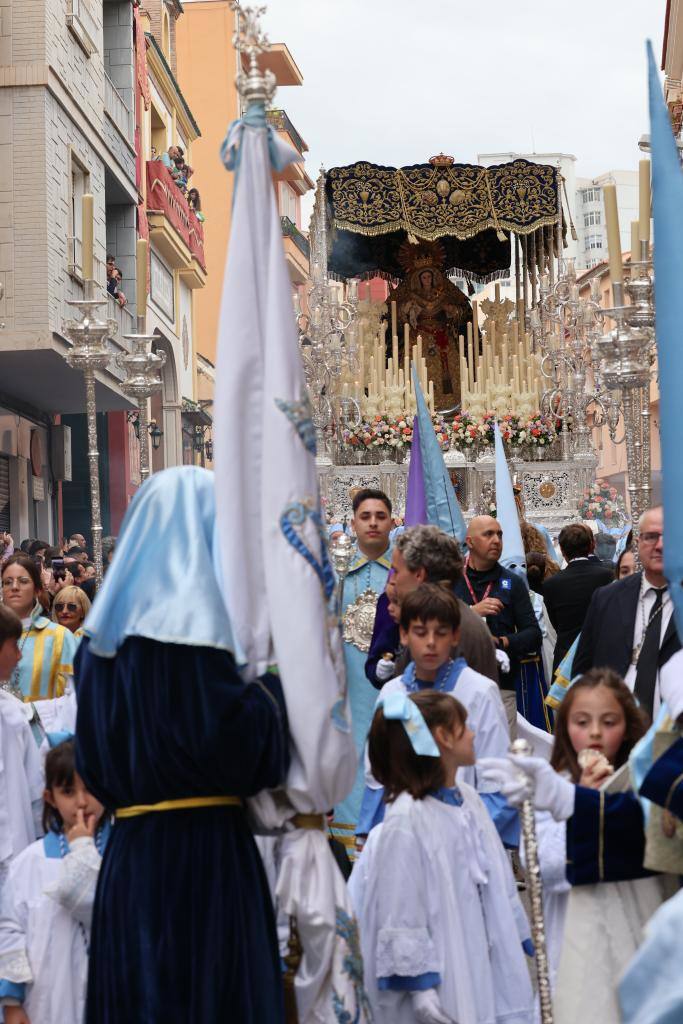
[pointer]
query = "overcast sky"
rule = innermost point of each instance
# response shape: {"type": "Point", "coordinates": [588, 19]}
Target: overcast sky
{"type": "Point", "coordinates": [395, 81]}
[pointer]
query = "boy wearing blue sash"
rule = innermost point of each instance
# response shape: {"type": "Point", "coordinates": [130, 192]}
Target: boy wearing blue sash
{"type": "Point", "coordinates": [429, 627]}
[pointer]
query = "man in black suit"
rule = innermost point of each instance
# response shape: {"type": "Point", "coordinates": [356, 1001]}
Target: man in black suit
{"type": "Point", "coordinates": [629, 626]}
{"type": "Point", "coordinates": [567, 594]}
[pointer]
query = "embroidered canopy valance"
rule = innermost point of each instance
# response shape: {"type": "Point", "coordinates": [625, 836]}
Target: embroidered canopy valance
{"type": "Point", "coordinates": [471, 209]}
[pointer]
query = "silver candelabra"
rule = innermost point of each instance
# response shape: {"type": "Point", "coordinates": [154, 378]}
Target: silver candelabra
{"type": "Point", "coordinates": [328, 337]}
{"type": "Point", "coordinates": [566, 329]}
{"type": "Point", "coordinates": [90, 352]}
{"type": "Point", "coordinates": [627, 357]}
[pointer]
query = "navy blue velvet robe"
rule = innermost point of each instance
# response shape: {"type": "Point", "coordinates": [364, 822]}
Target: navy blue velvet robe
{"type": "Point", "coordinates": [183, 926]}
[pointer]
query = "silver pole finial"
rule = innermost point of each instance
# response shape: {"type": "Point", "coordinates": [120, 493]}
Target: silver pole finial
{"type": "Point", "coordinates": [256, 85]}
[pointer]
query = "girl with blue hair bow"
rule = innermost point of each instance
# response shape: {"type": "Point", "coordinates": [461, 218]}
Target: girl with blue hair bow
{"type": "Point", "coordinates": [433, 891]}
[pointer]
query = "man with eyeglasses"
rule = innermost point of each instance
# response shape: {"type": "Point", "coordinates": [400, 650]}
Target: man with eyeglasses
{"type": "Point", "coordinates": [629, 626]}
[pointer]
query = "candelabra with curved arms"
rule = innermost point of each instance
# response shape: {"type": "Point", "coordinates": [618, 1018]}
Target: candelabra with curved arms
{"type": "Point", "coordinates": [565, 330]}
{"type": "Point", "coordinates": [328, 337]}
{"type": "Point", "coordinates": [627, 357]}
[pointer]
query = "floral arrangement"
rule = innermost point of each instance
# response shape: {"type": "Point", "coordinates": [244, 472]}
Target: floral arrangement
{"type": "Point", "coordinates": [602, 502]}
{"type": "Point", "coordinates": [465, 433]}
{"type": "Point", "coordinates": [512, 429]}
{"type": "Point", "coordinates": [540, 430]}
{"type": "Point", "coordinates": [384, 432]}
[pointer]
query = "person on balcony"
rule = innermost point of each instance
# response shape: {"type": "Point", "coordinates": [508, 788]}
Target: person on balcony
{"type": "Point", "coordinates": [195, 204]}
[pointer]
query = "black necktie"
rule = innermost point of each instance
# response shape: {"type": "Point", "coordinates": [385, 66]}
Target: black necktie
{"type": "Point", "coordinates": [648, 659]}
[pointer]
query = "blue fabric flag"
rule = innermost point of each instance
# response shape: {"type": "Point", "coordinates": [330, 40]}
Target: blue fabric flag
{"type": "Point", "coordinates": [416, 502]}
{"type": "Point", "coordinates": [667, 189]}
{"type": "Point", "coordinates": [506, 509]}
{"type": "Point", "coordinates": [441, 503]}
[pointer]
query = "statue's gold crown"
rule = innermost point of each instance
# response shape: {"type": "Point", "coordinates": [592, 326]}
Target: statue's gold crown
{"type": "Point", "coordinates": [424, 260]}
{"type": "Point", "coordinates": [424, 254]}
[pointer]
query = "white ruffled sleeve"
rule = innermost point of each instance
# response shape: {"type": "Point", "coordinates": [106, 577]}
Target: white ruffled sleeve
{"type": "Point", "coordinates": [75, 888]}
{"type": "Point", "coordinates": [405, 946]}
{"type": "Point", "coordinates": [14, 963]}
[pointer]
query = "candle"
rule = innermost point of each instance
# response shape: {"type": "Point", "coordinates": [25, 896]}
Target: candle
{"type": "Point", "coordinates": [497, 293]}
{"type": "Point", "coordinates": [393, 319]}
{"type": "Point", "coordinates": [390, 373]}
{"type": "Point", "coordinates": [141, 275]}
{"type": "Point", "coordinates": [475, 321]}
{"type": "Point", "coordinates": [635, 240]}
{"type": "Point", "coordinates": [431, 397]}
{"type": "Point", "coordinates": [394, 352]}
{"type": "Point", "coordinates": [644, 197]}
{"type": "Point", "coordinates": [87, 236]}
{"type": "Point", "coordinates": [470, 358]}
{"type": "Point", "coordinates": [613, 239]}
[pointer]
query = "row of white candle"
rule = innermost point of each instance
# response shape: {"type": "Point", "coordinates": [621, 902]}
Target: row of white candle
{"type": "Point", "coordinates": [382, 376]}
{"type": "Point", "coordinates": [505, 366]}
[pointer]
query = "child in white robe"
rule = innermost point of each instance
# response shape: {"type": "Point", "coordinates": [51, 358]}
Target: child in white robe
{"type": "Point", "coordinates": [595, 925]}
{"type": "Point", "coordinates": [47, 903]}
{"type": "Point", "coordinates": [440, 921]}
{"type": "Point", "coordinates": [430, 628]}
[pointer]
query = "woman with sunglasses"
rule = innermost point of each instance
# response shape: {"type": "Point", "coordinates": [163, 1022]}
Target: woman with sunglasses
{"type": "Point", "coordinates": [47, 648]}
{"type": "Point", "coordinates": [70, 607]}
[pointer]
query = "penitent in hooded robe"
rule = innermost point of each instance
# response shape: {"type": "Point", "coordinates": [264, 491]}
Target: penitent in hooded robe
{"type": "Point", "coordinates": [183, 925]}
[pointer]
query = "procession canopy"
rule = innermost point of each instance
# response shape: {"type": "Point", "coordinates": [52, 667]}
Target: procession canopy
{"type": "Point", "coordinates": [472, 210]}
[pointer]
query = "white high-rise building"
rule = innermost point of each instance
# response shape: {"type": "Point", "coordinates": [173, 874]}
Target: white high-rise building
{"type": "Point", "coordinates": [589, 216]}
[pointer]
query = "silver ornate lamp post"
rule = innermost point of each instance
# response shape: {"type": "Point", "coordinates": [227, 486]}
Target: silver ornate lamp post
{"type": "Point", "coordinates": [142, 366]}
{"type": "Point", "coordinates": [90, 353]}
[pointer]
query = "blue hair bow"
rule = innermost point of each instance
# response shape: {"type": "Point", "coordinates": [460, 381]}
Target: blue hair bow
{"type": "Point", "coordinates": [399, 707]}
{"type": "Point", "coordinates": [55, 738]}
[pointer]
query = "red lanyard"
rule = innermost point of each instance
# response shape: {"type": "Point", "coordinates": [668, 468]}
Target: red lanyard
{"type": "Point", "coordinates": [489, 588]}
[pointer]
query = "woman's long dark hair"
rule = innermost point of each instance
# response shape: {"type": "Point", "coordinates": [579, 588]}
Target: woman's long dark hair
{"type": "Point", "coordinates": [564, 757]}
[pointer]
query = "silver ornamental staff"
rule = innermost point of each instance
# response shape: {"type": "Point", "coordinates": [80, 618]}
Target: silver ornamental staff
{"type": "Point", "coordinates": [533, 871]}
{"type": "Point", "coordinates": [341, 550]}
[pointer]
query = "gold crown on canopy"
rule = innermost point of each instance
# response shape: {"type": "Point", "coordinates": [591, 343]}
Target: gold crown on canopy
{"type": "Point", "coordinates": [442, 160]}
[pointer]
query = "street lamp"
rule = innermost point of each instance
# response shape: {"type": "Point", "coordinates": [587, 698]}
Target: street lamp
{"type": "Point", "coordinates": [89, 353]}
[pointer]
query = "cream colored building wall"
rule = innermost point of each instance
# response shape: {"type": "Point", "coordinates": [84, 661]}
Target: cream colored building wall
{"type": "Point", "coordinates": [206, 72]}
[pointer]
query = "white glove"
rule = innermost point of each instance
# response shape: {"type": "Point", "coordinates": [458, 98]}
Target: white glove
{"type": "Point", "coordinates": [385, 669]}
{"type": "Point", "coordinates": [502, 659]}
{"type": "Point", "coordinates": [529, 778]}
{"type": "Point", "coordinates": [428, 1009]}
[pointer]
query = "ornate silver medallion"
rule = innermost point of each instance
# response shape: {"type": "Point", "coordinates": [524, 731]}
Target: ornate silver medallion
{"type": "Point", "coordinates": [359, 620]}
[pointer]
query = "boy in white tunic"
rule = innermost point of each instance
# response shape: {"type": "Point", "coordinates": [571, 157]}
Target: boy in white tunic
{"type": "Point", "coordinates": [440, 921]}
{"type": "Point", "coordinates": [47, 903]}
{"type": "Point", "coordinates": [429, 628]}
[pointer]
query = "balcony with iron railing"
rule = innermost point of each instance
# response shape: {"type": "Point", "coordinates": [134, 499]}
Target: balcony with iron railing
{"type": "Point", "coordinates": [279, 120]}
{"type": "Point", "coordinates": [297, 251]}
{"type": "Point", "coordinates": [117, 110]}
{"type": "Point", "coordinates": [290, 230]}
